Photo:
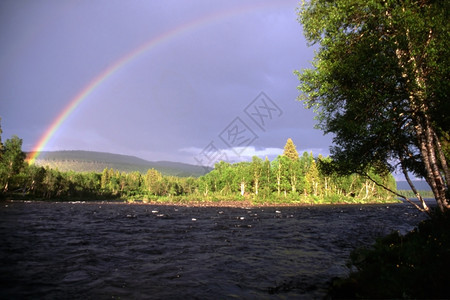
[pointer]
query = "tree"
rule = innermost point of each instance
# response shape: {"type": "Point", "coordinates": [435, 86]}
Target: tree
{"type": "Point", "coordinates": [312, 178]}
{"type": "Point", "coordinates": [257, 166]}
{"type": "Point", "coordinates": [243, 176]}
{"type": "Point", "coordinates": [225, 177]}
{"type": "Point", "coordinates": [105, 179]}
{"type": "Point", "coordinates": [280, 167]}
{"type": "Point", "coordinates": [12, 160]}
{"type": "Point", "coordinates": [380, 84]}
{"type": "Point", "coordinates": [133, 181]}
{"type": "Point", "coordinates": [290, 151]}
{"type": "Point", "coordinates": [293, 164]}
{"type": "Point", "coordinates": [36, 177]}
{"type": "Point", "coordinates": [277, 170]}
{"type": "Point", "coordinates": [52, 183]}
{"type": "Point", "coordinates": [152, 181]}
{"type": "Point", "coordinates": [266, 179]}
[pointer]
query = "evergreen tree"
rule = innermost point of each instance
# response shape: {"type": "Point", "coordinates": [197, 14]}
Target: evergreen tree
{"type": "Point", "coordinates": [312, 178]}
{"type": "Point", "coordinates": [291, 165]}
{"type": "Point", "coordinates": [290, 151]}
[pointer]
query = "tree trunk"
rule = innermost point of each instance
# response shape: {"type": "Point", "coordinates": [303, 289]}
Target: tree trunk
{"type": "Point", "coordinates": [294, 182]}
{"type": "Point", "coordinates": [394, 192]}
{"type": "Point", "coordinates": [442, 159]}
{"type": "Point", "coordinates": [420, 110]}
{"type": "Point", "coordinates": [413, 188]}
{"type": "Point", "coordinates": [6, 186]}
{"type": "Point", "coordinates": [434, 178]}
{"type": "Point", "coordinates": [279, 179]}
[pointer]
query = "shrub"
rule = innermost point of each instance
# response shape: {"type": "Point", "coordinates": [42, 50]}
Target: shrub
{"type": "Point", "coordinates": [412, 266]}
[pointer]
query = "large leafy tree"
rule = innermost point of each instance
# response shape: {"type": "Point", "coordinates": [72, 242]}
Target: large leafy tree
{"type": "Point", "coordinates": [380, 84]}
{"type": "Point", "coordinates": [12, 161]}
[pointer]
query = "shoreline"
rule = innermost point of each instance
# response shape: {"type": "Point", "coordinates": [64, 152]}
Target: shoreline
{"type": "Point", "coordinates": [198, 204]}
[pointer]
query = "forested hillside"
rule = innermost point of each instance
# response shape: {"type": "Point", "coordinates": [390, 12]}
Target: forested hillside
{"type": "Point", "coordinates": [420, 185]}
{"type": "Point", "coordinates": [90, 161]}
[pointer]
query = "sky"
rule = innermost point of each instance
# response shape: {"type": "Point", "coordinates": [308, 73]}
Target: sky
{"type": "Point", "coordinates": [188, 81]}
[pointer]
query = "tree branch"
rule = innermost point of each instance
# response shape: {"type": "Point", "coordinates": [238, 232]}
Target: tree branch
{"type": "Point", "coordinates": [397, 194]}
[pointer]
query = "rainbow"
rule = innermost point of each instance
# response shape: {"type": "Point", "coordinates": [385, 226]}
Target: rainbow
{"type": "Point", "coordinates": [119, 64]}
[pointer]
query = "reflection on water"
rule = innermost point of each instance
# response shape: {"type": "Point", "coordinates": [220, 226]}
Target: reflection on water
{"type": "Point", "coordinates": [104, 251]}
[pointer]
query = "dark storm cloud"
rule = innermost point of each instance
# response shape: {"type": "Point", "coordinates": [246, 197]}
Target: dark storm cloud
{"type": "Point", "coordinates": [168, 103]}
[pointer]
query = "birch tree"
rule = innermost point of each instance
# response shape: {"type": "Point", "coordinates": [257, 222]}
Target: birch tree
{"type": "Point", "coordinates": [380, 84]}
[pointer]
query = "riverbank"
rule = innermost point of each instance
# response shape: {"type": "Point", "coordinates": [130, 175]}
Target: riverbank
{"type": "Point", "coordinates": [240, 203]}
{"type": "Point", "coordinates": [414, 265]}
{"type": "Point", "coordinates": [251, 204]}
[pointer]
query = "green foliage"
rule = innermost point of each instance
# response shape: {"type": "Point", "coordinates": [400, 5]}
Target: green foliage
{"type": "Point", "coordinates": [396, 266]}
{"type": "Point", "coordinates": [283, 180]}
{"type": "Point", "coordinates": [290, 151]}
{"type": "Point", "coordinates": [11, 163]}
{"type": "Point", "coordinates": [380, 84]}
{"type": "Point", "coordinates": [295, 182]}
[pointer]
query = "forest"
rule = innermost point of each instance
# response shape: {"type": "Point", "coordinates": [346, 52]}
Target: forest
{"type": "Point", "coordinates": [289, 179]}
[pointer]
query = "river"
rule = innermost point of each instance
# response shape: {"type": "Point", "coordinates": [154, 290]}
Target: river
{"type": "Point", "coordinates": [111, 250]}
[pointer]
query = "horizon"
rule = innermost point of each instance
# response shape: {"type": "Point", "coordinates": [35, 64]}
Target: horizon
{"type": "Point", "coordinates": [397, 178]}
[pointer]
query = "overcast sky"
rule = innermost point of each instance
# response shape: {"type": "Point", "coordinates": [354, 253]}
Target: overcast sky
{"type": "Point", "coordinates": [219, 85]}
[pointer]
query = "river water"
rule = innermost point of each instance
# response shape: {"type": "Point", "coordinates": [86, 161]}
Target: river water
{"type": "Point", "coordinates": [111, 250]}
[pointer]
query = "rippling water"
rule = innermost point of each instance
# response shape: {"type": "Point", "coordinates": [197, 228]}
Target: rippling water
{"type": "Point", "coordinates": [110, 250]}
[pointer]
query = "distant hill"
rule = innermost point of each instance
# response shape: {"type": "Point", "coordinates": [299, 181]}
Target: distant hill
{"type": "Point", "coordinates": [88, 161]}
{"type": "Point", "coordinates": [421, 185]}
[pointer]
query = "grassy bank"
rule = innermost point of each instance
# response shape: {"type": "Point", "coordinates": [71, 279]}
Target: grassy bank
{"type": "Point", "coordinates": [210, 200]}
{"type": "Point", "coordinates": [253, 200]}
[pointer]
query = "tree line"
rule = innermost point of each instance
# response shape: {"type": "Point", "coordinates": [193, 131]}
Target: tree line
{"type": "Point", "coordinates": [292, 178]}
{"type": "Point", "coordinates": [287, 178]}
